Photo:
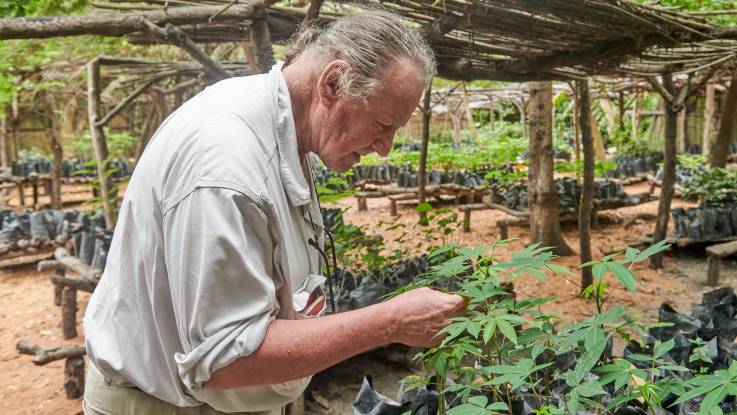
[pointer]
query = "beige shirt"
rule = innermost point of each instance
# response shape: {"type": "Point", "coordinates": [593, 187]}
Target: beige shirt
{"type": "Point", "coordinates": [209, 248]}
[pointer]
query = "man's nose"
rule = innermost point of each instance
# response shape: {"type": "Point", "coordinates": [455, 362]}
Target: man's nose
{"type": "Point", "coordinates": [383, 146]}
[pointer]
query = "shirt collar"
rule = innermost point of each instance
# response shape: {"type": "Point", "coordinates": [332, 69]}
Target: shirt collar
{"type": "Point", "coordinates": [292, 177]}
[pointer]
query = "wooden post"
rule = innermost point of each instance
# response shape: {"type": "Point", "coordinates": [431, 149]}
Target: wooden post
{"type": "Point", "coordinates": [491, 112]}
{"type": "Point", "coordinates": [107, 191]}
{"type": "Point", "coordinates": [635, 117]}
{"type": "Point", "coordinates": [709, 104]}
{"type": "Point", "coordinates": [728, 124]}
{"type": "Point", "coordinates": [21, 194]}
{"type": "Point", "coordinates": [57, 152]}
{"type": "Point", "coordinates": [422, 170]}
{"type": "Point", "coordinates": [621, 110]}
{"type": "Point", "coordinates": [34, 186]}
{"type": "Point", "coordinates": [712, 272]}
{"type": "Point", "coordinates": [261, 37]}
{"type": "Point", "coordinates": [469, 114]}
{"type": "Point", "coordinates": [667, 188]}
{"type": "Point", "coordinates": [682, 139]}
{"type": "Point", "coordinates": [58, 288]}
{"type": "Point", "coordinates": [14, 125]}
{"type": "Point", "coordinates": [69, 313]}
{"type": "Point", "coordinates": [542, 188]}
{"type": "Point", "coordinates": [74, 377]}
{"type": "Point", "coordinates": [587, 193]}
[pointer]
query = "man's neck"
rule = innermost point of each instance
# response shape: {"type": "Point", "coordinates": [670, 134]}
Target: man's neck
{"type": "Point", "coordinates": [299, 84]}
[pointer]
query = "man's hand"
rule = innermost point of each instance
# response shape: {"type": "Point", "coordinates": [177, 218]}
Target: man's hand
{"type": "Point", "coordinates": [420, 314]}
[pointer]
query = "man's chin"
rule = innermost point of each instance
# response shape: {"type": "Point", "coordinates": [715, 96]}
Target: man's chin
{"type": "Point", "coordinates": [342, 165]}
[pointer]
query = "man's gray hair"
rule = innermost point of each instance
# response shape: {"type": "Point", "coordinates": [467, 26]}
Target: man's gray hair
{"type": "Point", "coordinates": [368, 41]}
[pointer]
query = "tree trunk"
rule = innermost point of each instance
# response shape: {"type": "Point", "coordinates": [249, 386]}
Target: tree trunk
{"type": "Point", "coordinates": [426, 118]}
{"type": "Point", "coordinates": [635, 117]}
{"type": "Point", "coordinates": [681, 138]}
{"type": "Point", "coordinates": [491, 112]}
{"type": "Point", "coordinates": [457, 120]}
{"type": "Point", "coordinates": [587, 191]}
{"type": "Point", "coordinates": [667, 188]}
{"type": "Point", "coordinates": [599, 150]}
{"type": "Point", "coordinates": [57, 152]}
{"type": "Point", "coordinates": [720, 149]}
{"type": "Point", "coordinates": [14, 125]}
{"type": "Point", "coordinates": [709, 105]}
{"type": "Point", "coordinates": [107, 191]}
{"type": "Point", "coordinates": [542, 188]}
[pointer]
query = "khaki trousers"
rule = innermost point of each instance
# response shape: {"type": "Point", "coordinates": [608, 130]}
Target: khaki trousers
{"type": "Point", "coordinates": [102, 398]}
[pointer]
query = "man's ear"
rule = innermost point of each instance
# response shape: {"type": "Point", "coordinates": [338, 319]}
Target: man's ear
{"type": "Point", "coordinates": [328, 83]}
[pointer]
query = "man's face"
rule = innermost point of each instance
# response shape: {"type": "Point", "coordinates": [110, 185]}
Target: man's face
{"type": "Point", "coordinates": [347, 130]}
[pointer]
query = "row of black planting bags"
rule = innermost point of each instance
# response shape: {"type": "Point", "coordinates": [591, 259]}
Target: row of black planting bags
{"type": "Point", "coordinates": [21, 230]}
{"type": "Point", "coordinates": [705, 223]}
{"type": "Point", "coordinates": [630, 166]}
{"type": "Point", "coordinates": [711, 327]}
{"type": "Point", "coordinates": [402, 176]}
{"type": "Point", "coordinates": [71, 168]}
{"type": "Point", "coordinates": [569, 194]}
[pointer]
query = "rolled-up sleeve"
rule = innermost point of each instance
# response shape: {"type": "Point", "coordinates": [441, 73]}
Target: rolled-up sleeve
{"type": "Point", "coordinates": [219, 258]}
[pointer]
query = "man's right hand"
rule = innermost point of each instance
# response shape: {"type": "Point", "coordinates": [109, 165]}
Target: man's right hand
{"type": "Point", "coordinates": [420, 314]}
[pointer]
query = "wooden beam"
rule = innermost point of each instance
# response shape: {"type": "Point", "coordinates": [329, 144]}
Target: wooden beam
{"type": "Point", "coordinates": [171, 34]}
{"type": "Point", "coordinates": [42, 356]}
{"type": "Point", "coordinates": [421, 173]}
{"type": "Point", "coordinates": [124, 103]}
{"type": "Point", "coordinates": [76, 265]}
{"type": "Point", "coordinates": [119, 24]}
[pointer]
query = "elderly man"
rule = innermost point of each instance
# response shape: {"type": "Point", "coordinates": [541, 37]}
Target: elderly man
{"type": "Point", "coordinates": [213, 256]}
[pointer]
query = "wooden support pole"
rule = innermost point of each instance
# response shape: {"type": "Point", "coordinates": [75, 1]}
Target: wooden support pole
{"type": "Point", "coordinates": [709, 106]}
{"type": "Point", "coordinates": [469, 114]}
{"type": "Point", "coordinates": [728, 125]}
{"type": "Point", "coordinates": [57, 164]}
{"type": "Point", "coordinates": [587, 191]}
{"type": "Point", "coordinates": [682, 139]}
{"type": "Point", "coordinates": [173, 35]}
{"type": "Point", "coordinates": [107, 190]}
{"type": "Point", "coordinates": [422, 170]}
{"type": "Point", "coordinates": [58, 288]}
{"type": "Point", "coordinates": [621, 110]}
{"type": "Point", "coordinates": [69, 313]}
{"type": "Point", "coordinates": [74, 377]}
{"type": "Point", "coordinates": [125, 102]}
{"type": "Point", "coordinates": [714, 265]}
{"type": "Point", "coordinates": [667, 189]}
{"type": "Point", "coordinates": [14, 125]}
{"type": "Point", "coordinates": [261, 37]}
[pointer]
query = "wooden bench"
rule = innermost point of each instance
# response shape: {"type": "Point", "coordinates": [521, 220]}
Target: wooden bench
{"type": "Point", "coordinates": [467, 209]}
{"type": "Point", "coordinates": [393, 199]}
{"type": "Point", "coordinates": [362, 196]}
{"type": "Point", "coordinates": [714, 260]}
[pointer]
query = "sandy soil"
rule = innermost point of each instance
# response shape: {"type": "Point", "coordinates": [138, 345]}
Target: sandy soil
{"type": "Point", "coordinates": [28, 311]}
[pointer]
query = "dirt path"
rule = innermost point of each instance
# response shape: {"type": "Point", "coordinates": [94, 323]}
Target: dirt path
{"type": "Point", "coordinates": [28, 311]}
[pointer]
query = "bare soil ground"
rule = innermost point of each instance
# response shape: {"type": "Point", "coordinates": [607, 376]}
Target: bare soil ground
{"type": "Point", "coordinates": [28, 310]}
